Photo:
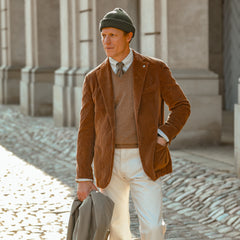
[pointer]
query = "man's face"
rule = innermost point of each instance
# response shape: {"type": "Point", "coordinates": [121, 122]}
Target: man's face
{"type": "Point", "coordinates": [115, 43]}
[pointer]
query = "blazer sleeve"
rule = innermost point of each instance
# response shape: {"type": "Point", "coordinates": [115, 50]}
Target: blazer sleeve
{"type": "Point", "coordinates": [86, 134]}
{"type": "Point", "coordinates": [178, 105]}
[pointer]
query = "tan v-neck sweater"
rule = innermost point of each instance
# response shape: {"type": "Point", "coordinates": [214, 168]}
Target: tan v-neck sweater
{"type": "Point", "coordinates": [125, 125]}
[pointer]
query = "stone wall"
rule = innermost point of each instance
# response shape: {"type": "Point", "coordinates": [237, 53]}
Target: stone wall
{"type": "Point", "coordinates": [59, 42]}
{"type": "Point", "coordinates": [42, 56]}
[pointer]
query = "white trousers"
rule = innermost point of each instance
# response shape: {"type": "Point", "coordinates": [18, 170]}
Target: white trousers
{"type": "Point", "coordinates": [146, 194]}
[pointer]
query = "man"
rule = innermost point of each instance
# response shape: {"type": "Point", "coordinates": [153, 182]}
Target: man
{"type": "Point", "coordinates": [122, 128]}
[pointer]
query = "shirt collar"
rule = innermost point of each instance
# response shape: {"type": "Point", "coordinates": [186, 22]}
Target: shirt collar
{"type": "Point", "coordinates": [127, 62]}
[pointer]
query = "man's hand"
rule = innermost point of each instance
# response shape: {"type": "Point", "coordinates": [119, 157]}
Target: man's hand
{"type": "Point", "coordinates": [84, 188]}
{"type": "Point", "coordinates": [162, 141]}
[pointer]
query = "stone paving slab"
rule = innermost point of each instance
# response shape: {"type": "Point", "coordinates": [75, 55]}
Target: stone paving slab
{"type": "Point", "coordinates": [33, 205]}
{"type": "Point", "coordinates": [37, 164]}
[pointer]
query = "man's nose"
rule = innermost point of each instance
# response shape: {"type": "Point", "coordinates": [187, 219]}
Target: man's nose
{"type": "Point", "coordinates": [107, 40]}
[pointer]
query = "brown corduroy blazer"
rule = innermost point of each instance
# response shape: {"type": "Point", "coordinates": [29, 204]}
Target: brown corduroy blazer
{"type": "Point", "coordinates": [153, 85]}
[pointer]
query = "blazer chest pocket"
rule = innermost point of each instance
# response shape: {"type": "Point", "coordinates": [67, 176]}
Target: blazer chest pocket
{"type": "Point", "coordinates": [161, 157]}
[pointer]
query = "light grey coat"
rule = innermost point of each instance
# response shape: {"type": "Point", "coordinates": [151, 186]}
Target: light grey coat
{"type": "Point", "coordinates": [90, 219]}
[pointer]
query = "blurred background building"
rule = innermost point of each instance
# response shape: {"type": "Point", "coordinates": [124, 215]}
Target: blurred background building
{"type": "Point", "coordinates": [47, 47]}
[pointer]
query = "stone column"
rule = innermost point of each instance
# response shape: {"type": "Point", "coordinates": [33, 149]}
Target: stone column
{"type": "Point", "coordinates": [0, 35]}
{"type": "Point", "coordinates": [1, 82]}
{"type": "Point", "coordinates": [76, 57]}
{"type": "Point", "coordinates": [231, 36]}
{"type": "Point", "coordinates": [153, 36]}
{"type": "Point", "coordinates": [62, 90]}
{"type": "Point", "coordinates": [237, 132]}
{"type": "Point", "coordinates": [188, 51]}
{"type": "Point", "coordinates": [81, 50]}
{"type": "Point", "coordinates": [86, 33]}
{"type": "Point", "coordinates": [12, 50]}
{"type": "Point", "coordinates": [42, 56]}
{"type": "Point", "coordinates": [179, 35]}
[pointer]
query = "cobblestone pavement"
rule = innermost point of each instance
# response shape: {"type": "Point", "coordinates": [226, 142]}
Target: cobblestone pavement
{"type": "Point", "coordinates": [37, 170]}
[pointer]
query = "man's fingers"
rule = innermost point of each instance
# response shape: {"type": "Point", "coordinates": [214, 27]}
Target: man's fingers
{"type": "Point", "coordinates": [84, 188]}
{"type": "Point", "coordinates": [161, 141]}
{"type": "Point", "coordinates": [82, 196]}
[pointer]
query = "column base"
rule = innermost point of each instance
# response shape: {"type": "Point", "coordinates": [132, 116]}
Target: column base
{"type": "Point", "coordinates": [59, 98]}
{"type": "Point", "coordinates": [67, 95]}
{"type": "Point", "coordinates": [205, 122]}
{"type": "Point", "coordinates": [9, 84]}
{"type": "Point", "coordinates": [36, 97]}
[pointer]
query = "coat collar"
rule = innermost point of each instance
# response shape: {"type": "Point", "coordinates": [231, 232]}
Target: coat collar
{"type": "Point", "coordinates": [104, 78]}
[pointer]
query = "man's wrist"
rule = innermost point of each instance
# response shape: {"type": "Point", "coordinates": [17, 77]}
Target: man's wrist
{"type": "Point", "coordinates": [163, 135]}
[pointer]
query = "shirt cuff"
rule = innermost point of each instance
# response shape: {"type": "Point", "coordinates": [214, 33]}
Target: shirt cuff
{"type": "Point", "coordinates": [83, 179]}
{"type": "Point", "coordinates": [162, 134]}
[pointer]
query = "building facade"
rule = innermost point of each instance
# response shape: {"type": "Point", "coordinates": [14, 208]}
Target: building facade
{"type": "Point", "coordinates": [47, 47]}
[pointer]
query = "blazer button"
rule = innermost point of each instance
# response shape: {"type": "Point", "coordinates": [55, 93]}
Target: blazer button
{"type": "Point", "coordinates": [144, 66]}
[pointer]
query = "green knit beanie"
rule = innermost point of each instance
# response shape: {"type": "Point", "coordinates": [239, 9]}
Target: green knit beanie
{"type": "Point", "coordinates": [119, 19]}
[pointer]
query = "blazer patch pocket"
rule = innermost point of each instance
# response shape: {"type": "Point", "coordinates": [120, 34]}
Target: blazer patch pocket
{"type": "Point", "coordinates": [161, 157]}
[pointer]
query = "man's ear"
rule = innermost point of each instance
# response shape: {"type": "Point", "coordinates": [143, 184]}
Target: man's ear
{"type": "Point", "coordinates": [130, 35]}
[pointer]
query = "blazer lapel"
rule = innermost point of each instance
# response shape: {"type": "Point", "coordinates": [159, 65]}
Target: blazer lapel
{"type": "Point", "coordinates": [105, 83]}
{"type": "Point", "coordinates": [140, 67]}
